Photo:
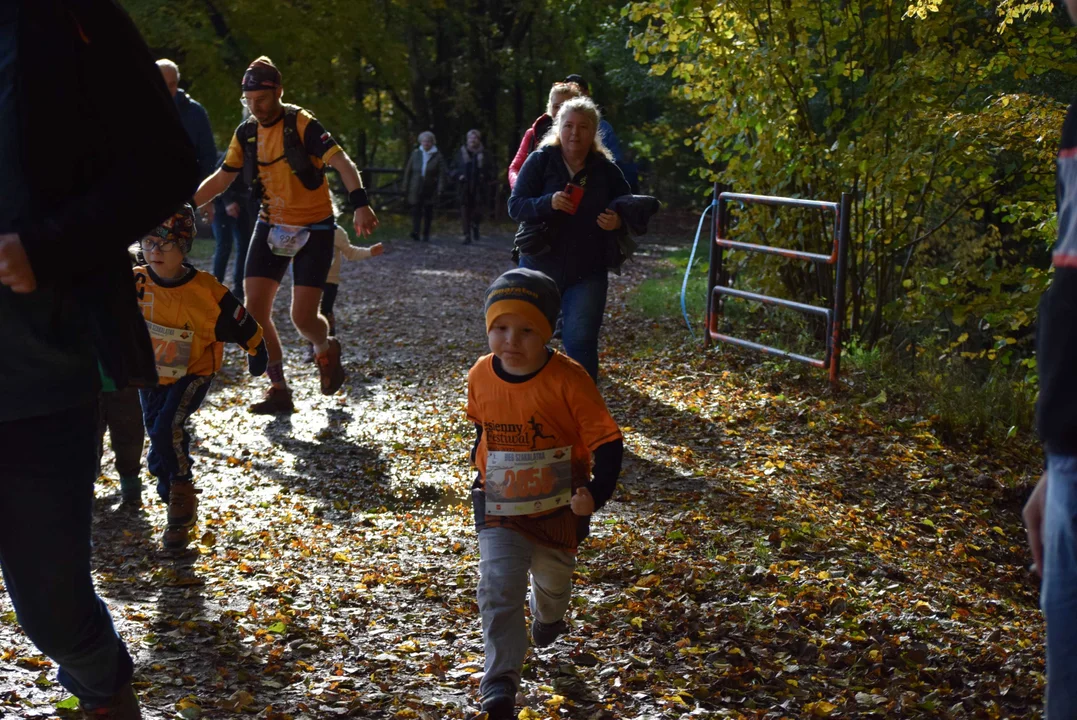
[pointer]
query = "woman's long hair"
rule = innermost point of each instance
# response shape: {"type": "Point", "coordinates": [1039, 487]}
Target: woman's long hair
{"type": "Point", "coordinates": [585, 106]}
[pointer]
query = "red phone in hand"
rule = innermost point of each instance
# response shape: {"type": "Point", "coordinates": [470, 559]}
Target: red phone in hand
{"type": "Point", "coordinates": [575, 194]}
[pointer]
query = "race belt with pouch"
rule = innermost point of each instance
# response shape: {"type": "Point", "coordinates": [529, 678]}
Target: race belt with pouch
{"type": "Point", "coordinates": [288, 240]}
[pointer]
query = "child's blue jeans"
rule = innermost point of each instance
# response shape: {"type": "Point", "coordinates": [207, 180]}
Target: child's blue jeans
{"type": "Point", "coordinates": [165, 410]}
{"type": "Point", "coordinates": [1059, 591]}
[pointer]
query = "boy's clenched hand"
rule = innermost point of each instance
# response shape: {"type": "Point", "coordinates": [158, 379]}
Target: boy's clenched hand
{"type": "Point", "coordinates": [582, 502]}
{"type": "Point", "coordinates": [258, 362]}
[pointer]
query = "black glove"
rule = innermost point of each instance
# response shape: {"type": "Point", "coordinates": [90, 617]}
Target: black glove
{"type": "Point", "coordinates": [258, 362]}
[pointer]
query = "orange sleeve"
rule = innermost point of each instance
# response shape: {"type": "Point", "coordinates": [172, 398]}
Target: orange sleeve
{"type": "Point", "coordinates": [596, 425]}
{"type": "Point", "coordinates": [233, 157]}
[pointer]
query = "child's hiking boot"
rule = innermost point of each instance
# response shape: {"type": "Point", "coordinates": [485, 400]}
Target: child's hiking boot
{"type": "Point", "coordinates": [131, 491]}
{"type": "Point", "coordinates": [277, 401]}
{"type": "Point", "coordinates": [499, 702]}
{"type": "Point", "coordinates": [121, 706]}
{"type": "Point", "coordinates": [543, 634]}
{"type": "Point", "coordinates": [182, 504]}
{"type": "Point", "coordinates": [176, 537]}
{"type": "Point", "coordinates": [330, 371]}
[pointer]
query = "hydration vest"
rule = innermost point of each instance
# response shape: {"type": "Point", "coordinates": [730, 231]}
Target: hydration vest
{"type": "Point", "coordinates": [294, 153]}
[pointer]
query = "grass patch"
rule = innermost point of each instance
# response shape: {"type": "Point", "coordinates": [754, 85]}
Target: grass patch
{"type": "Point", "coordinates": [963, 400]}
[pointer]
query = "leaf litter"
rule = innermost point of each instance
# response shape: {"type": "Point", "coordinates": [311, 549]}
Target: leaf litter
{"type": "Point", "coordinates": [775, 550]}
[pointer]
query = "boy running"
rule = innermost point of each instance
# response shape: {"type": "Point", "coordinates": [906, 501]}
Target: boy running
{"type": "Point", "coordinates": [535, 492]}
{"type": "Point", "coordinates": [190, 316]}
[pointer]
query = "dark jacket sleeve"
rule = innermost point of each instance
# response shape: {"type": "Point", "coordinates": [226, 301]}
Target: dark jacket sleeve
{"type": "Point", "coordinates": [130, 183]}
{"type": "Point", "coordinates": [607, 469]}
{"type": "Point", "coordinates": [528, 202]}
{"type": "Point", "coordinates": [205, 145]}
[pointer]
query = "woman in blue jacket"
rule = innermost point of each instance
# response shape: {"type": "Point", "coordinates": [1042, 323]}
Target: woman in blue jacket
{"type": "Point", "coordinates": [572, 231]}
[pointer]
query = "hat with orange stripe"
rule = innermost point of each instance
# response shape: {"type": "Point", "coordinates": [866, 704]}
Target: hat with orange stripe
{"type": "Point", "coordinates": [529, 293]}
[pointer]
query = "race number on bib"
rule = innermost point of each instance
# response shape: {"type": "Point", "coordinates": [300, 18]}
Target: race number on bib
{"type": "Point", "coordinates": [523, 483]}
{"type": "Point", "coordinates": [171, 349]}
{"type": "Point", "coordinates": [287, 240]}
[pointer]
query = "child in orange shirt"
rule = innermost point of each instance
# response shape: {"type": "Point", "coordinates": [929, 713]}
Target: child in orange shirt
{"type": "Point", "coordinates": [539, 418]}
{"type": "Point", "coordinates": [190, 316]}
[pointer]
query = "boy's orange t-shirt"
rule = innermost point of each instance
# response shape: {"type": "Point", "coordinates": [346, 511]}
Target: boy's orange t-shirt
{"type": "Point", "coordinates": [559, 407]}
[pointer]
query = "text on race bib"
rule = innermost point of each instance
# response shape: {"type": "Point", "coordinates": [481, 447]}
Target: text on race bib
{"type": "Point", "coordinates": [171, 349]}
{"type": "Point", "coordinates": [525, 483]}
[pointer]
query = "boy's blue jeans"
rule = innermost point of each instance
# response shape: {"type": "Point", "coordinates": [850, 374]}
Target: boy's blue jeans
{"type": "Point", "coordinates": [165, 410]}
{"type": "Point", "coordinates": [1059, 591]}
{"type": "Point", "coordinates": [583, 303]}
{"type": "Point", "coordinates": [48, 466]}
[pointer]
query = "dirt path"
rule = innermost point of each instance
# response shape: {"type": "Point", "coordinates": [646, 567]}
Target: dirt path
{"type": "Point", "coordinates": [776, 551]}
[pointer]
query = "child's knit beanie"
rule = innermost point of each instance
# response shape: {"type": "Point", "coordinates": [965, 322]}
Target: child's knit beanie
{"type": "Point", "coordinates": [526, 292]}
{"type": "Point", "coordinates": [178, 228]}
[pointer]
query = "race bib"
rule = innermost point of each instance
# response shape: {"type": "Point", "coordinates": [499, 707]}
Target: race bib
{"type": "Point", "coordinates": [287, 240]}
{"type": "Point", "coordinates": [171, 349]}
{"type": "Point", "coordinates": [524, 483]}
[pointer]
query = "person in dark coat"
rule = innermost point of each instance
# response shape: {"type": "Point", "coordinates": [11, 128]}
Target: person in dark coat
{"type": "Point", "coordinates": [424, 177]}
{"type": "Point", "coordinates": [578, 227]}
{"type": "Point", "coordinates": [473, 174]}
{"type": "Point", "coordinates": [78, 189]}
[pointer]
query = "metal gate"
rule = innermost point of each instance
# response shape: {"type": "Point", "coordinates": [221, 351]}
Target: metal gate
{"type": "Point", "coordinates": [718, 282]}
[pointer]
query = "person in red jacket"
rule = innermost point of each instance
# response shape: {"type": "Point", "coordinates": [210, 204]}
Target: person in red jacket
{"type": "Point", "coordinates": [559, 93]}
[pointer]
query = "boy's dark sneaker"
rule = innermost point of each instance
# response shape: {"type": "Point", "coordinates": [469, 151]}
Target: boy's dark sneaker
{"type": "Point", "coordinates": [543, 634]}
{"type": "Point", "coordinates": [131, 491]}
{"type": "Point", "coordinates": [182, 505]}
{"type": "Point", "coordinates": [122, 706]}
{"type": "Point", "coordinates": [330, 371]}
{"type": "Point", "coordinates": [277, 401]}
{"type": "Point", "coordinates": [500, 702]}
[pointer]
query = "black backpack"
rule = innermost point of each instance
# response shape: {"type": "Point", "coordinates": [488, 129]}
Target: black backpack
{"type": "Point", "coordinates": [294, 153]}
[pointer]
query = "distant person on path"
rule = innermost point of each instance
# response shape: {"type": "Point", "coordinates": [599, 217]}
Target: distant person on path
{"type": "Point", "coordinates": [1051, 512]}
{"type": "Point", "coordinates": [539, 421]}
{"type": "Point", "coordinates": [79, 185]}
{"type": "Point", "coordinates": [283, 152]}
{"type": "Point", "coordinates": [190, 316]}
{"type": "Point", "coordinates": [473, 176]}
{"type": "Point", "coordinates": [559, 93]}
{"type": "Point", "coordinates": [342, 250]}
{"type": "Point", "coordinates": [605, 130]}
{"type": "Point", "coordinates": [424, 178]}
{"type": "Point", "coordinates": [577, 229]}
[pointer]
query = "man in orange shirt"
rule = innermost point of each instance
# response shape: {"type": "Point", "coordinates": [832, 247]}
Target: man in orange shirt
{"type": "Point", "coordinates": [283, 152]}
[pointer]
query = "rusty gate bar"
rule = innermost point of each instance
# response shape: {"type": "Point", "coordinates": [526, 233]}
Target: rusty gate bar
{"type": "Point", "coordinates": [718, 286]}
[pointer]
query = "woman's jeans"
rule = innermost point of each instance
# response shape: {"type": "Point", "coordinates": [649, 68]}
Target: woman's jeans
{"type": "Point", "coordinates": [1058, 596]}
{"type": "Point", "coordinates": [48, 465]}
{"type": "Point", "coordinates": [583, 304]}
{"type": "Point", "coordinates": [227, 229]}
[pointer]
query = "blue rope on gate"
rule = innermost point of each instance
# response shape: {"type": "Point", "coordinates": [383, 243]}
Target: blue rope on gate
{"type": "Point", "coordinates": [688, 271]}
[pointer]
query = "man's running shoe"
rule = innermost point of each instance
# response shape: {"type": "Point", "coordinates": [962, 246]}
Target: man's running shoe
{"type": "Point", "coordinates": [277, 401]}
{"type": "Point", "coordinates": [330, 370]}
